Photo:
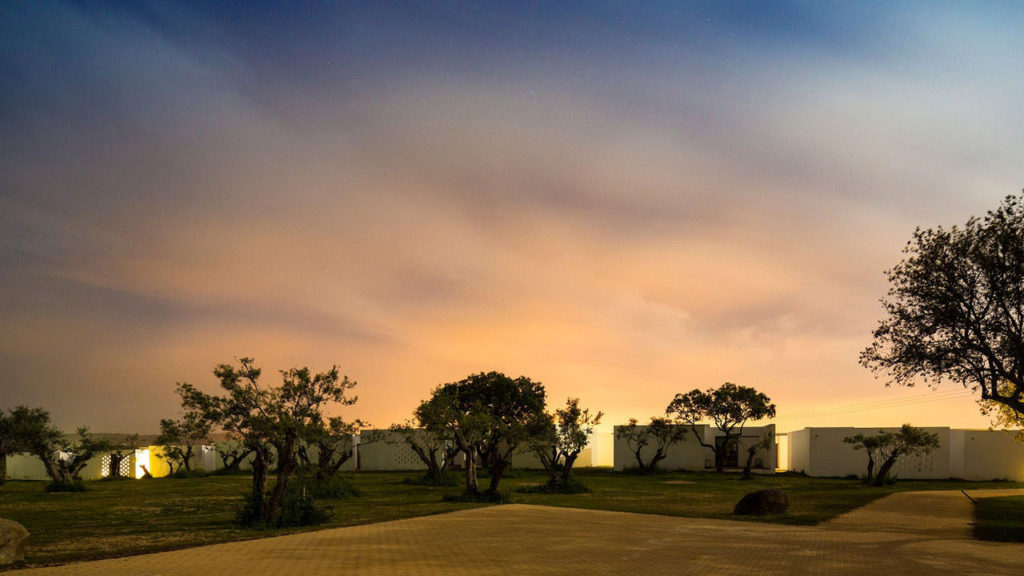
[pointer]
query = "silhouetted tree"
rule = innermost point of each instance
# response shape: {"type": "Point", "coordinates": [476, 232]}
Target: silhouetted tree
{"type": "Point", "coordinates": [272, 421]}
{"type": "Point", "coordinates": [331, 442]}
{"type": "Point", "coordinates": [488, 415]}
{"type": "Point", "coordinates": [659, 433]}
{"type": "Point", "coordinates": [19, 427]}
{"type": "Point", "coordinates": [434, 446]}
{"type": "Point", "coordinates": [766, 442]}
{"type": "Point", "coordinates": [62, 457]}
{"type": "Point", "coordinates": [1004, 417]}
{"type": "Point", "coordinates": [870, 445]}
{"type": "Point", "coordinates": [729, 406]}
{"type": "Point", "coordinates": [888, 447]}
{"type": "Point", "coordinates": [558, 440]}
{"type": "Point", "coordinates": [179, 437]}
{"type": "Point", "coordinates": [118, 451]}
{"type": "Point", "coordinates": [955, 309]}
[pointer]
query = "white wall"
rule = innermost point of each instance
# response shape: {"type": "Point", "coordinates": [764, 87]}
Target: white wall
{"type": "Point", "coordinates": [690, 455]}
{"type": "Point", "coordinates": [799, 451]}
{"type": "Point", "coordinates": [967, 454]}
{"type": "Point", "coordinates": [992, 454]}
{"type": "Point", "coordinates": [25, 466]}
{"type": "Point", "coordinates": [386, 450]}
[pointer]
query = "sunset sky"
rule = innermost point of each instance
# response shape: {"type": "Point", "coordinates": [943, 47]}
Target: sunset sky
{"type": "Point", "coordinates": [620, 200]}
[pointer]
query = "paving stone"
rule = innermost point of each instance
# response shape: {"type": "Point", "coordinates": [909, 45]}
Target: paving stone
{"type": "Point", "coordinates": [923, 533]}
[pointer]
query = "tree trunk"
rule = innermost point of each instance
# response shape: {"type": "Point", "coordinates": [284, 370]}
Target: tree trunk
{"type": "Point", "coordinates": [433, 467]}
{"type": "Point", "coordinates": [658, 457]}
{"type": "Point", "coordinates": [749, 464]}
{"type": "Point", "coordinates": [871, 469]}
{"type": "Point", "coordinates": [259, 475]}
{"type": "Point", "coordinates": [429, 458]}
{"type": "Point", "coordinates": [187, 458]}
{"type": "Point", "coordinates": [285, 468]}
{"type": "Point", "coordinates": [639, 460]}
{"type": "Point", "coordinates": [114, 471]}
{"type": "Point", "coordinates": [472, 486]}
{"type": "Point", "coordinates": [497, 470]}
{"type": "Point", "coordinates": [883, 472]}
{"type": "Point", "coordinates": [566, 471]}
{"type": "Point", "coordinates": [52, 470]}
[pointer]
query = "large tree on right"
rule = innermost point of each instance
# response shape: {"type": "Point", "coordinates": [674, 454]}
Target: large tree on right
{"type": "Point", "coordinates": [955, 309]}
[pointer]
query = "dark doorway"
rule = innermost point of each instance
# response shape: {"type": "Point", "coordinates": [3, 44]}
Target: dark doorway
{"type": "Point", "coordinates": [727, 454]}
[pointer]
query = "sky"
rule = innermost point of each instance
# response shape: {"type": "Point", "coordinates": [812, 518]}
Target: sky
{"type": "Point", "coordinates": [623, 201]}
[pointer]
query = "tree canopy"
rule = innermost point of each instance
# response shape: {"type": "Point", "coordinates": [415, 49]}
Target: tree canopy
{"type": "Point", "coordinates": [659, 433]}
{"type": "Point", "coordinates": [729, 406]}
{"type": "Point", "coordinates": [272, 421]}
{"type": "Point", "coordinates": [559, 439]}
{"type": "Point", "coordinates": [27, 429]}
{"type": "Point", "coordinates": [955, 309]}
{"type": "Point", "coordinates": [488, 415]}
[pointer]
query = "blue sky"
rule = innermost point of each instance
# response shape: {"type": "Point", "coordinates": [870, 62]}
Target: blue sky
{"type": "Point", "coordinates": [623, 201]}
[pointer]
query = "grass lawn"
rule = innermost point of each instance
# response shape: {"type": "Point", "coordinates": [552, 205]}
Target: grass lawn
{"type": "Point", "coordinates": [117, 518]}
{"type": "Point", "coordinates": [1000, 519]}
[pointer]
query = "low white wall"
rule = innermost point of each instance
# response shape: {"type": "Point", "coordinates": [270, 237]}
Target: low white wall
{"type": "Point", "coordinates": [799, 451]}
{"type": "Point", "coordinates": [24, 466]}
{"type": "Point", "coordinates": [386, 450]}
{"type": "Point", "coordinates": [967, 454]}
{"type": "Point", "coordinates": [992, 454]}
{"type": "Point", "coordinates": [690, 455]}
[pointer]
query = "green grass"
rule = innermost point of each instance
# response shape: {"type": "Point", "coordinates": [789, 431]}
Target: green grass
{"type": "Point", "coordinates": [712, 495]}
{"type": "Point", "coordinates": [1000, 519]}
{"type": "Point", "coordinates": [126, 517]}
{"type": "Point", "coordinates": [119, 518]}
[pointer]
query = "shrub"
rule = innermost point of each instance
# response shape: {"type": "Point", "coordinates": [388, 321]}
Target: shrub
{"type": "Point", "coordinates": [336, 487]}
{"type": "Point", "coordinates": [298, 509]}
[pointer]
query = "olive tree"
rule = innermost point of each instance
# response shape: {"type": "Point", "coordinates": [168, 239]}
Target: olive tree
{"type": "Point", "coordinates": [63, 458]}
{"type": "Point", "coordinates": [120, 450]}
{"type": "Point", "coordinates": [435, 446]}
{"type": "Point", "coordinates": [870, 445]}
{"type": "Point", "coordinates": [25, 429]}
{"type": "Point", "coordinates": [659, 433]}
{"type": "Point", "coordinates": [955, 309]}
{"type": "Point", "coordinates": [488, 415]}
{"type": "Point", "coordinates": [888, 447]}
{"type": "Point", "coordinates": [180, 436]}
{"type": "Point", "coordinates": [729, 406]}
{"type": "Point", "coordinates": [331, 444]}
{"type": "Point", "coordinates": [272, 421]}
{"type": "Point", "coordinates": [18, 427]}
{"type": "Point", "coordinates": [558, 440]}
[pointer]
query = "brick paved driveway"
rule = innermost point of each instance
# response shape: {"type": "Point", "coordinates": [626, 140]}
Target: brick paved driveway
{"type": "Point", "coordinates": [923, 533]}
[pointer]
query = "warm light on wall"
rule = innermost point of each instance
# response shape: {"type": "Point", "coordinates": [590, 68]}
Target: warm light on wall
{"type": "Point", "coordinates": [141, 462]}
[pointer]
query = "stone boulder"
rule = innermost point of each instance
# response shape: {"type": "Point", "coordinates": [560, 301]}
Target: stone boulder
{"type": "Point", "coordinates": [12, 541]}
{"type": "Point", "coordinates": [762, 502]}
